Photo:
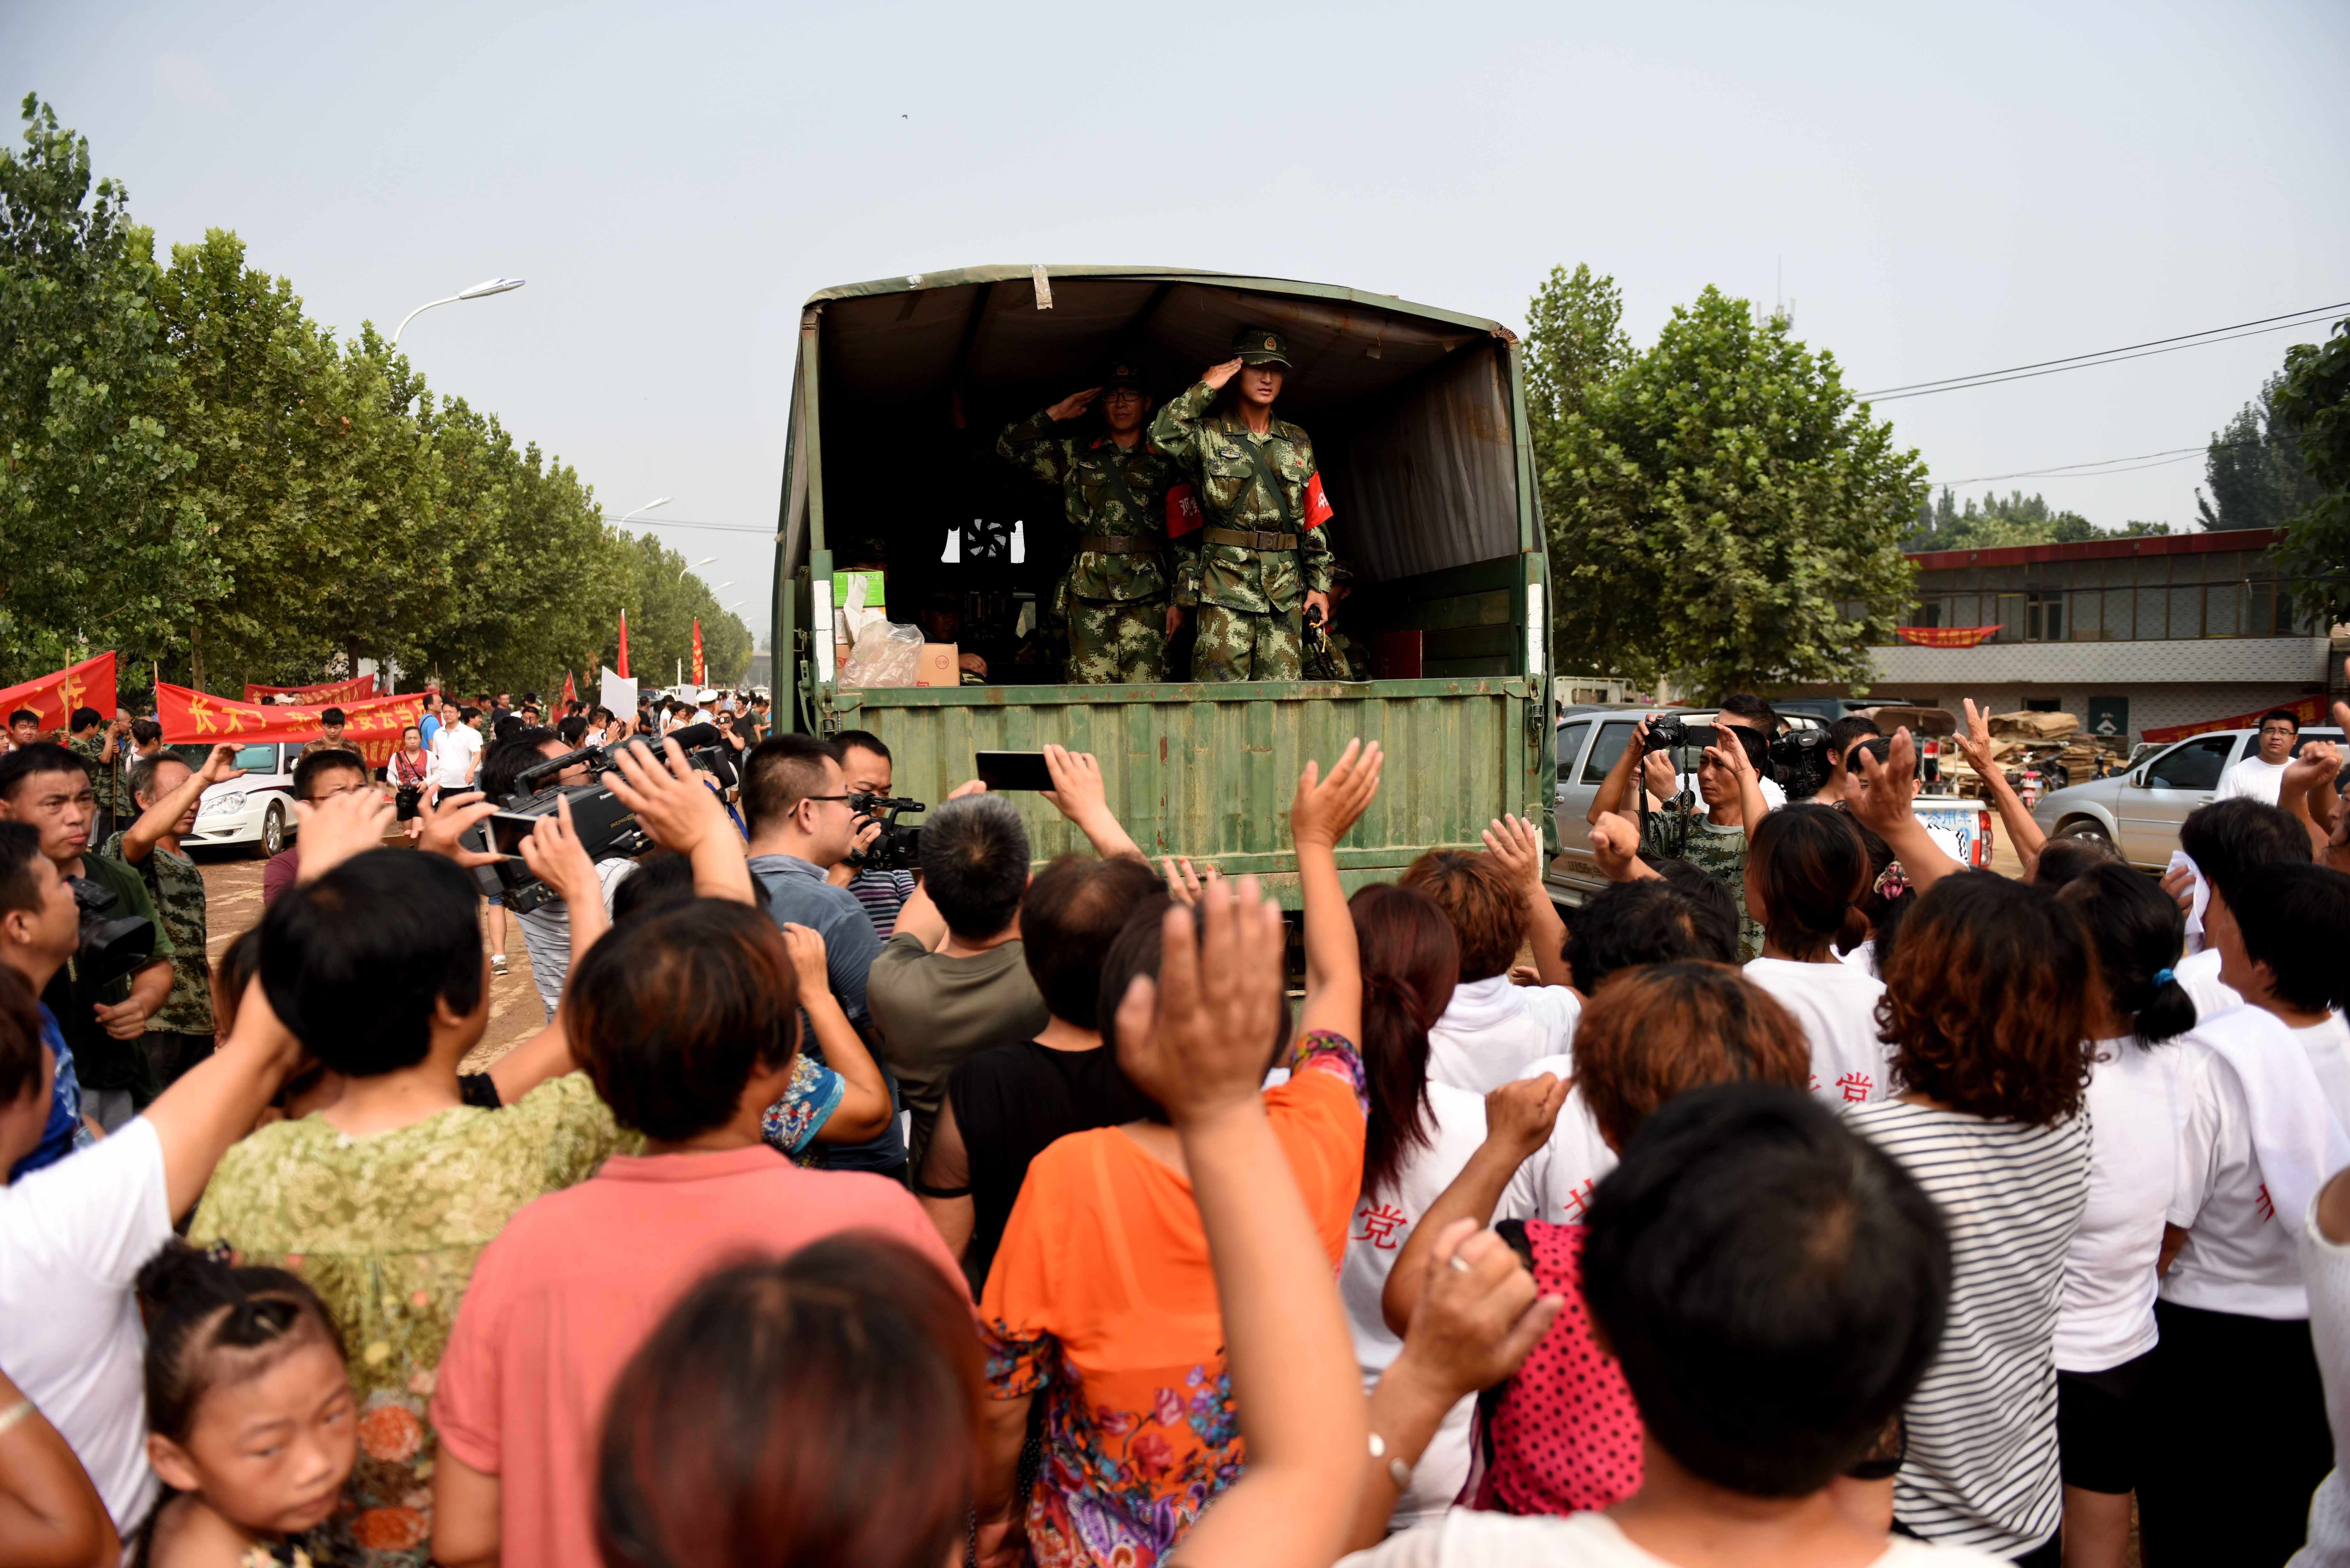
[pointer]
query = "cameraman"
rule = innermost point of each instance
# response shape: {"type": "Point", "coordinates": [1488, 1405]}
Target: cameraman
{"type": "Point", "coordinates": [545, 930]}
{"type": "Point", "coordinates": [865, 764]}
{"type": "Point", "coordinates": [1843, 736]}
{"type": "Point", "coordinates": [45, 786]}
{"type": "Point", "coordinates": [1730, 789]}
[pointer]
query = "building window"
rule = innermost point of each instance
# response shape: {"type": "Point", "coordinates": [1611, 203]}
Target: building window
{"type": "Point", "coordinates": [2151, 603]}
{"type": "Point", "coordinates": [2118, 615]}
{"type": "Point", "coordinates": [2044, 618]}
{"type": "Point", "coordinates": [2009, 612]}
{"type": "Point", "coordinates": [2223, 605]}
{"type": "Point", "coordinates": [2186, 612]}
{"type": "Point", "coordinates": [2081, 616]}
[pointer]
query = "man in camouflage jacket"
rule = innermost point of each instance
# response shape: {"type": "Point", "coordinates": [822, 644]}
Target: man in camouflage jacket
{"type": "Point", "coordinates": [1114, 494]}
{"type": "Point", "coordinates": [180, 1032]}
{"type": "Point", "coordinates": [101, 742]}
{"type": "Point", "coordinates": [1260, 560]}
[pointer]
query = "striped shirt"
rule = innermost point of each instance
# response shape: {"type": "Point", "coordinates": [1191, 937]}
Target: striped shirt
{"type": "Point", "coordinates": [1982, 1465]}
{"type": "Point", "coordinates": [882, 893]}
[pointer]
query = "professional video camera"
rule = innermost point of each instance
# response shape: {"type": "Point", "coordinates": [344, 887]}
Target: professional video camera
{"type": "Point", "coordinates": [1798, 763]}
{"type": "Point", "coordinates": [109, 947]}
{"type": "Point", "coordinates": [606, 828]}
{"type": "Point", "coordinates": [894, 849]}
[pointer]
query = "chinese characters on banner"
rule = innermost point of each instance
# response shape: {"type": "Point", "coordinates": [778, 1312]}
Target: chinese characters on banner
{"type": "Point", "coordinates": [334, 693]}
{"type": "Point", "coordinates": [89, 684]}
{"type": "Point", "coordinates": [372, 725]}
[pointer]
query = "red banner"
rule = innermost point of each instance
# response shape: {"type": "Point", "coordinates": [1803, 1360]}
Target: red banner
{"type": "Point", "coordinates": [331, 694]}
{"type": "Point", "coordinates": [570, 692]}
{"type": "Point", "coordinates": [2308, 709]}
{"type": "Point", "coordinates": [89, 684]}
{"type": "Point", "coordinates": [623, 670]}
{"type": "Point", "coordinates": [701, 673]}
{"type": "Point", "coordinates": [372, 725]}
{"type": "Point", "coordinates": [1946, 635]}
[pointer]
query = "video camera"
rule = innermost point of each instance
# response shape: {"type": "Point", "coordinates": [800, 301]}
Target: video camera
{"type": "Point", "coordinates": [109, 948]}
{"type": "Point", "coordinates": [606, 829]}
{"type": "Point", "coordinates": [894, 849]}
{"type": "Point", "coordinates": [1797, 762]}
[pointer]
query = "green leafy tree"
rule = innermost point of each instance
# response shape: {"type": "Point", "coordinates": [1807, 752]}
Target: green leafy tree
{"type": "Point", "coordinates": [2258, 476]}
{"type": "Point", "coordinates": [1717, 505]}
{"type": "Point", "coordinates": [1575, 342]}
{"type": "Point", "coordinates": [103, 549]}
{"type": "Point", "coordinates": [2312, 399]}
{"type": "Point", "coordinates": [2016, 518]}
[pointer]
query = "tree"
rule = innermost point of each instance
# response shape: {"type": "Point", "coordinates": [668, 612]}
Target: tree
{"type": "Point", "coordinates": [2255, 469]}
{"type": "Point", "coordinates": [1575, 342]}
{"type": "Point", "coordinates": [101, 546]}
{"type": "Point", "coordinates": [2313, 400]}
{"type": "Point", "coordinates": [1718, 505]}
{"type": "Point", "coordinates": [2016, 519]}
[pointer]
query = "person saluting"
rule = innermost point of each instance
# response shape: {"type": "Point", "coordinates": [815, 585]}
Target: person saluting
{"type": "Point", "coordinates": [1260, 562]}
{"type": "Point", "coordinates": [1114, 494]}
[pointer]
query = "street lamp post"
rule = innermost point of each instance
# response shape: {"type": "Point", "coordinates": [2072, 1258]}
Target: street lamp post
{"type": "Point", "coordinates": [647, 506]}
{"type": "Point", "coordinates": [690, 565]}
{"type": "Point", "coordinates": [479, 291]}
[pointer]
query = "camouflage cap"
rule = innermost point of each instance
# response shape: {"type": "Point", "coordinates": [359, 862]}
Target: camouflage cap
{"type": "Point", "coordinates": [1260, 346]}
{"type": "Point", "coordinates": [1126, 373]}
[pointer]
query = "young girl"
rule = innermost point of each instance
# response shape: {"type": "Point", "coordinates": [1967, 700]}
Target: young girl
{"type": "Point", "coordinates": [251, 1423]}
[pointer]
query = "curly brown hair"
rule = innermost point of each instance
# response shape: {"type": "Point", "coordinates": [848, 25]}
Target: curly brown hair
{"type": "Point", "coordinates": [1484, 908]}
{"type": "Point", "coordinates": [1653, 1031]}
{"type": "Point", "coordinates": [1986, 1001]}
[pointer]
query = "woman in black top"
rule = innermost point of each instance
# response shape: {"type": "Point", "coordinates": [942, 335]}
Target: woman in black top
{"type": "Point", "coordinates": [1006, 1103]}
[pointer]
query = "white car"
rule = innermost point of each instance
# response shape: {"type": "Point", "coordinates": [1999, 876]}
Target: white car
{"type": "Point", "coordinates": [255, 811]}
{"type": "Point", "coordinates": [2139, 811]}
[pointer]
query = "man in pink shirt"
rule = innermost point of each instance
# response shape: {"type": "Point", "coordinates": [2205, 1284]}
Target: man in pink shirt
{"type": "Point", "coordinates": [689, 1030]}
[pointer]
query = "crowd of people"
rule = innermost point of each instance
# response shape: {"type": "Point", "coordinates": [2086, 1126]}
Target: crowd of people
{"type": "Point", "coordinates": [1806, 1198]}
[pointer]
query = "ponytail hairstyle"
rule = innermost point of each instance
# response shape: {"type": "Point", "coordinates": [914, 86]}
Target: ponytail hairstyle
{"type": "Point", "coordinates": [1809, 869]}
{"type": "Point", "coordinates": [210, 1322]}
{"type": "Point", "coordinates": [2137, 933]}
{"type": "Point", "coordinates": [1411, 960]}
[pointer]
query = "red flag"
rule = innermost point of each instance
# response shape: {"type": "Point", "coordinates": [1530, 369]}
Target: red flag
{"type": "Point", "coordinates": [331, 692]}
{"type": "Point", "coordinates": [570, 692]}
{"type": "Point", "coordinates": [2308, 709]}
{"type": "Point", "coordinates": [701, 675]}
{"type": "Point", "coordinates": [89, 684]}
{"type": "Point", "coordinates": [623, 671]}
{"type": "Point", "coordinates": [371, 724]}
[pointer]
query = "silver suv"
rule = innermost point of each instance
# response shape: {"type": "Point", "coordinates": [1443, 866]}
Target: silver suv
{"type": "Point", "coordinates": [2138, 810]}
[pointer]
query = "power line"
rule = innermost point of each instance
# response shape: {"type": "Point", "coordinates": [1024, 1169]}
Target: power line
{"type": "Point", "coordinates": [712, 528]}
{"type": "Point", "coordinates": [2309, 317]}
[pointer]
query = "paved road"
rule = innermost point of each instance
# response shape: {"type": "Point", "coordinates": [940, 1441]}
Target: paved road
{"type": "Point", "coordinates": [233, 906]}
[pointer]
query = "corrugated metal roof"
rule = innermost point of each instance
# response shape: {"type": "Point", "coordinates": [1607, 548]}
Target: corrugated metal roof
{"type": "Point", "coordinates": [2100, 550]}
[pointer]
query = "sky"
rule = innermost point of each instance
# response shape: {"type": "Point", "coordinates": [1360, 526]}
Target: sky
{"type": "Point", "coordinates": [1937, 189]}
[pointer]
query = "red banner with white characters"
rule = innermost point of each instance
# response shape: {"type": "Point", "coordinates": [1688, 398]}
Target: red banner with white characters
{"type": "Point", "coordinates": [372, 725]}
{"type": "Point", "coordinates": [2308, 709]}
{"type": "Point", "coordinates": [89, 684]}
{"type": "Point", "coordinates": [1946, 635]}
{"type": "Point", "coordinates": [331, 694]}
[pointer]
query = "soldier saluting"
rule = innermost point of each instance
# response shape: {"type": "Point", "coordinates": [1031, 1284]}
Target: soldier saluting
{"type": "Point", "coordinates": [1113, 492]}
{"type": "Point", "coordinates": [1262, 561]}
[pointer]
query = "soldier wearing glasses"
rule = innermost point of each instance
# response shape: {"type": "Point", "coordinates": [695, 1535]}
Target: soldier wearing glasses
{"type": "Point", "coordinates": [1114, 492]}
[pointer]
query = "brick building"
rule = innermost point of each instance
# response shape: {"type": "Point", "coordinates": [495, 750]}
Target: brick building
{"type": "Point", "coordinates": [2130, 634]}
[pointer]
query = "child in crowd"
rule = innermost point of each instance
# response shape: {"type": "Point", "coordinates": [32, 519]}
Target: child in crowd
{"type": "Point", "coordinates": [251, 1422]}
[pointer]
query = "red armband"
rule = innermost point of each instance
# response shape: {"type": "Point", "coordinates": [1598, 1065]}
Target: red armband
{"type": "Point", "coordinates": [1183, 515]}
{"type": "Point", "coordinates": [1318, 509]}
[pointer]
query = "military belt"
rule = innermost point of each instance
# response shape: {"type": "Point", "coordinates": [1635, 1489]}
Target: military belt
{"type": "Point", "coordinates": [1117, 544]}
{"type": "Point", "coordinates": [1241, 538]}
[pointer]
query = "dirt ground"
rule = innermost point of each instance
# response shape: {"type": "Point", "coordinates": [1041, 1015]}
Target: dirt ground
{"type": "Point", "coordinates": [233, 907]}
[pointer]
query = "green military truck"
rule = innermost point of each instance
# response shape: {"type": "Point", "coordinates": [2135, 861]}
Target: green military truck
{"type": "Point", "coordinates": [1417, 417]}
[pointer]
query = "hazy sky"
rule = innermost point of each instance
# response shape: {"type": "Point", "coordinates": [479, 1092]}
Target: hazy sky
{"type": "Point", "coordinates": [1949, 190]}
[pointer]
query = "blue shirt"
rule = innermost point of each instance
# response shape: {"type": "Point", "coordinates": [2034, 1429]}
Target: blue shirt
{"type": "Point", "coordinates": [427, 727]}
{"type": "Point", "coordinates": [64, 1131]}
{"type": "Point", "coordinates": [797, 893]}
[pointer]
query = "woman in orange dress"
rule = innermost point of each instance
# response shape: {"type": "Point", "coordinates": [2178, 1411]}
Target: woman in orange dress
{"type": "Point", "coordinates": [1102, 1298]}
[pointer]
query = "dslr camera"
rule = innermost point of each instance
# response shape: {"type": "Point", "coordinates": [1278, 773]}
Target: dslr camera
{"type": "Point", "coordinates": [606, 829]}
{"type": "Point", "coordinates": [111, 946]}
{"type": "Point", "coordinates": [895, 847]}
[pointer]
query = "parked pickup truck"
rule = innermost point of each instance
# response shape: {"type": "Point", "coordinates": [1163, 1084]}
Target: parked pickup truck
{"type": "Point", "coordinates": [1417, 417]}
{"type": "Point", "coordinates": [2139, 811]}
{"type": "Point", "coordinates": [1590, 740]}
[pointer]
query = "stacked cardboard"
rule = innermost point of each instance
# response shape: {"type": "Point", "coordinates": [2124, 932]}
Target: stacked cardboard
{"type": "Point", "coordinates": [2015, 736]}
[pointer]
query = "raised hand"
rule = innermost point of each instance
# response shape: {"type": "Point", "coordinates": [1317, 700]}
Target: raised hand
{"type": "Point", "coordinates": [1516, 847]}
{"type": "Point", "coordinates": [1479, 1314]}
{"type": "Point", "coordinates": [335, 830]}
{"type": "Point", "coordinates": [1073, 405]}
{"type": "Point", "coordinates": [1658, 774]}
{"type": "Point", "coordinates": [1184, 884]}
{"type": "Point", "coordinates": [220, 764]}
{"type": "Point", "coordinates": [1519, 1115]}
{"type": "Point", "coordinates": [1217, 375]}
{"type": "Point", "coordinates": [1616, 848]}
{"type": "Point", "coordinates": [1197, 1039]}
{"type": "Point", "coordinates": [556, 857]}
{"type": "Point", "coordinates": [672, 804]}
{"type": "Point", "coordinates": [1887, 788]}
{"type": "Point", "coordinates": [804, 945]}
{"type": "Point", "coordinates": [1322, 810]}
{"type": "Point", "coordinates": [1974, 743]}
{"type": "Point", "coordinates": [441, 820]}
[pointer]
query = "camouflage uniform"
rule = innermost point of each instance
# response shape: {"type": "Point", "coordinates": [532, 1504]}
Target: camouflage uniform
{"type": "Point", "coordinates": [1337, 657]}
{"type": "Point", "coordinates": [176, 887]}
{"type": "Point", "coordinates": [106, 779]}
{"type": "Point", "coordinates": [1114, 499]}
{"type": "Point", "coordinates": [1252, 600]}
